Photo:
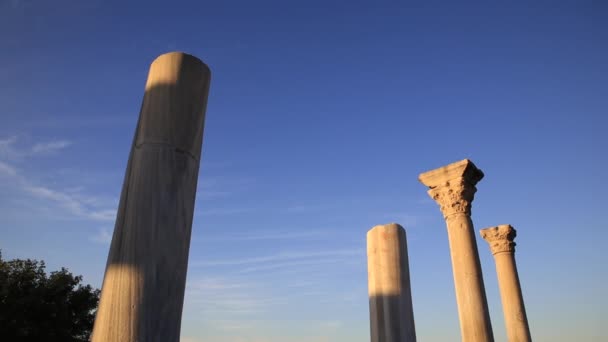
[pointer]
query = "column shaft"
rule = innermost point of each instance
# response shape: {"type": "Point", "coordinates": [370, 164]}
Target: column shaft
{"type": "Point", "coordinates": [511, 297]}
{"type": "Point", "coordinates": [469, 287]}
{"type": "Point", "coordinates": [453, 188]}
{"type": "Point", "coordinates": [144, 283]}
{"type": "Point", "coordinates": [501, 241]}
{"type": "Point", "coordinates": [390, 298]}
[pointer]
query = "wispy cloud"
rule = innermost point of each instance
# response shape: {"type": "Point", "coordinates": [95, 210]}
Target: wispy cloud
{"type": "Point", "coordinates": [18, 4]}
{"type": "Point", "coordinates": [103, 215]}
{"type": "Point", "coordinates": [295, 263]}
{"type": "Point", "coordinates": [280, 257]}
{"type": "Point", "coordinates": [7, 170]}
{"type": "Point", "coordinates": [72, 204]}
{"type": "Point", "coordinates": [189, 339]}
{"type": "Point", "coordinates": [255, 336]}
{"type": "Point", "coordinates": [219, 187]}
{"type": "Point", "coordinates": [211, 194]}
{"type": "Point", "coordinates": [237, 292]}
{"type": "Point", "coordinates": [225, 211]}
{"type": "Point", "coordinates": [208, 284]}
{"type": "Point", "coordinates": [72, 201]}
{"type": "Point", "coordinates": [221, 297]}
{"type": "Point", "coordinates": [234, 306]}
{"type": "Point", "coordinates": [304, 208]}
{"type": "Point", "coordinates": [330, 324]}
{"type": "Point", "coordinates": [210, 165]}
{"type": "Point", "coordinates": [8, 149]}
{"type": "Point", "coordinates": [70, 121]}
{"type": "Point", "coordinates": [50, 147]}
{"type": "Point", "coordinates": [273, 235]}
{"type": "Point", "coordinates": [103, 236]}
{"type": "Point", "coordinates": [233, 325]}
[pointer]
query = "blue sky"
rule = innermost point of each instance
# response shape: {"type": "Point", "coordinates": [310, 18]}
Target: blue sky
{"type": "Point", "coordinates": [321, 115]}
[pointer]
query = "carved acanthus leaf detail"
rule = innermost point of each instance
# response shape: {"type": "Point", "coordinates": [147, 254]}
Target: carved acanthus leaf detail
{"type": "Point", "coordinates": [500, 238]}
{"type": "Point", "coordinates": [454, 197]}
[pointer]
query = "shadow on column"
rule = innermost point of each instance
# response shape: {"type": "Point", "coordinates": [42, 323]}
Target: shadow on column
{"type": "Point", "coordinates": [388, 323]}
{"type": "Point", "coordinates": [144, 283]}
{"type": "Point", "coordinates": [390, 298]}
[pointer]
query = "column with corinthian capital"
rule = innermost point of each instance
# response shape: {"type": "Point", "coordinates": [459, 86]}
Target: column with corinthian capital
{"type": "Point", "coordinates": [500, 239]}
{"type": "Point", "coordinates": [453, 188]}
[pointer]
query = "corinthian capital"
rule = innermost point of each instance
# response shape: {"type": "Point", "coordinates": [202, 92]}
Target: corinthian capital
{"type": "Point", "coordinates": [500, 238]}
{"type": "Point", "coordinates": [453, 186]}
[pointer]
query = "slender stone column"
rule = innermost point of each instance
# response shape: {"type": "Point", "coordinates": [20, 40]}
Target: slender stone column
{"type": "Point", "coordinates": [500, 239]}
{"type": "Point", "coordinates": [390, 297]}
{"type": "Point", "coordinates": [144, 283]}
{"type": "Point", "coordinates": [453, 188]}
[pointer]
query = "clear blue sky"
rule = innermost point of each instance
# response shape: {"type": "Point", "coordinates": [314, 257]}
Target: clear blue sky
{"type": "Point", "coordinates": [320, 118]}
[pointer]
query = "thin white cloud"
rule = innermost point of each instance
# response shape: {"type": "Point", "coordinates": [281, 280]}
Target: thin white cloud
{"type": "Point", "coordinates": [71, 201]}
{"type": "Point", "coordinates": [304, 208]}
{"type": "Point", "coordinates": [81, 122]}
{"type": "Point", "coordinates": [273, 235]}
{"type": "Point", "coordinates": [103, 236]}
{"type": "Point", "coordinates": [220, 187]}
{"type": "Point", "coordinates": [189, 339]}
{"type": "Point", "coordinates": [331, 324]}
{"type": "Point", "coordinates": [65, 200]}
{"type": "Point", "coordinates": [72, 204]}
{"type": "Point", "coordinates": [207, 165]}
{"type": "Point", "coordinates": [296, 263]}
{"type": "Point", "coordinates": [234, 306]}
{"type": "Point", "coordinates": [8, 150]}
{"type": "Point", "coordinates": [225, 211]}
{"type": "Point", "coordinates": [4, 142]}
{"type": "Point", "coordinates": [102, 215]}
{"type": "Point", "coordinates": [216, 284]}
{"type": "Point", "coordinates": [50, 147]}
{"type": "Point", "coordinates": [233, 325]}
{"type": "Point", "coordinates": [264, 338]}
{"type": "Point", "coordinates": [18, 4]}
{"type": "Point", "coordinates": [280, 257]}
{"type": "Point", "coordinates": [7, 169]}
{"type": "Point", "coordinates": [212, 194]}
{"type": "Point", "coordinates": [225, 297]}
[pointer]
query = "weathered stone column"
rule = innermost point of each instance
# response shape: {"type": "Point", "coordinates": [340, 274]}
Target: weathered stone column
{"type": "Point", "coordinates": [144, 283]}
{"type": "Point", "coordinates": [501, 243]}
{"type": "Point", "coordinates": [390, 297]}
{"type": "Point", "coordinates": [453, 188]}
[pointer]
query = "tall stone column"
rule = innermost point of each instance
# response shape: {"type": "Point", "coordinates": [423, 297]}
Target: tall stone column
{"type": "Point", "coordinates": [144, 283]}
{"type": "Point", "coordinates": [500, 239]}
{"type": "Point", "coordinates": [453, 188]}
{"type": "Point", "coordinates": [390, 297]}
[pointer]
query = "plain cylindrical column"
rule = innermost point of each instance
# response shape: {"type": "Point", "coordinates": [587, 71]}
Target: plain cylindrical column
{"type": "Point", "coordinates": [390, 297]}
{"type": "Point", "coordinates": [143, 289]}
{"type": "Point", "coordinates": [453, 188]}
{"type": "Point", "coordinates": [500, 239]}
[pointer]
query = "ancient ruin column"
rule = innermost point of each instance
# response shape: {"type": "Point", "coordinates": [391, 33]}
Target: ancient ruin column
{"type": "Point", "coordinates": [144, 283]}
{"type": "Point", "coordinates": [390, 297]}
{"type": "Point", "coordinates": [501, 243]}
{"type": "Point", "coordinates": [453, 188]}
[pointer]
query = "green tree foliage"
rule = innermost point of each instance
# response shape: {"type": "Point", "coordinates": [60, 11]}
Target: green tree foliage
{"type": "Point", "coordinates": [37, 307]}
